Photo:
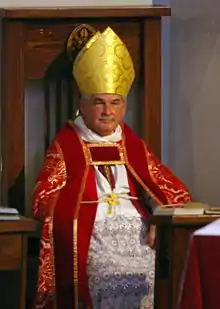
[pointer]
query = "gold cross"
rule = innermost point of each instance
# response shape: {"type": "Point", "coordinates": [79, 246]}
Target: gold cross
{"type": "Point", "coordinates": [112, 200]}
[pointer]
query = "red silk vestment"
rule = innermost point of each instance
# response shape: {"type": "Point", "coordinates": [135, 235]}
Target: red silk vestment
{"type": "Point", "coordinates": [67, 179]}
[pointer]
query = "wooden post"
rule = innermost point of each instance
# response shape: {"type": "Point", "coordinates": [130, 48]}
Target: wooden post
{"type": "Point", "coordinates": [152, 84]}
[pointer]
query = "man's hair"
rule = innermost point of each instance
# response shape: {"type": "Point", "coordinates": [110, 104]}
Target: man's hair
{"type": "Point", "coordinates": [88, 97]}
{"type": "Point", "coordinates": [85, 98]}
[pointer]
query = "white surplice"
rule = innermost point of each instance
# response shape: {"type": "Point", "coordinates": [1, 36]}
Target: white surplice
{"type": "Point", "coordinates": [120, 266]}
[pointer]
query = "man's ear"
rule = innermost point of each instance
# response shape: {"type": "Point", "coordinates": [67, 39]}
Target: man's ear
{"type": "Point", "coordinates": [125, 105]}
{"type": "Point", "coordinates": [82, 106]}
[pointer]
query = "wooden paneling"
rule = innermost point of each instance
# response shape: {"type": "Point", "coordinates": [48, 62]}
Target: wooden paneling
{"type": "Point", "coordinates": [13, 104]}
{"type": "Point", "coordinates": [61, 103]}
{"type": "Point", "coordinates": [13, 257]}
{"type": "Point", "coordinates": [181, 237]}
{"type": "Point", "coordinates": [152, 84]}
{"type": "Point", "coordinates": [91, 12]}
{"type": "Point", "coordinates": [10, 252]}
{"type": "Point", "coordinates": [45, 44]}
{"type": "Point", "coordinates": [16, 226]}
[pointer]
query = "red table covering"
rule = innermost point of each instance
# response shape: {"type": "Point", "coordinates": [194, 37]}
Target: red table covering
{"type": "Point", "coordinates": [200, 288]}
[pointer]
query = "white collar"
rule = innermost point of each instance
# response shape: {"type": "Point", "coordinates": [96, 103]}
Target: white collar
{"type": "Point", "coordinates": [90, 136]}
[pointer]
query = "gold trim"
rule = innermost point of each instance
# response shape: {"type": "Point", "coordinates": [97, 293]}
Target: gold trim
{"type": "Point", "coordinates": [123, 151]}
{"type": "Point", "coordinates": [98, 145]}
{"type": "Point", "coordinates": [168, 187]}
{"type": "Point", "coordinates": [143, 185]}
{"type": "Point", "coordinates": [75, 266]}
{"type": "Point", "coordinates": [87, 153]}
{"type": "Point", "coordinates": [113, 144]}
{"type": "Point", "coordinates": [107, 163]}
{"type": "Point", "coordinates": [152, 195]}
{"type": "Point", "coordinates": [58, 171]}
{"type": "Point", "coordinates": [150, 173]}
{"type": "Point", "coordinates": [52, 248]}
{"type": "Point", "coordinates": [75, 238]}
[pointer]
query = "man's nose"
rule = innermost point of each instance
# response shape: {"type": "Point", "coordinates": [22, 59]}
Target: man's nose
{"type": "Point", "coordinates": [107, 110]}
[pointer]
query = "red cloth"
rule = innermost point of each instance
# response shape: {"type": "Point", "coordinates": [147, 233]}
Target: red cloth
{"type": "Point", "coordinates": [200, 286]}
{"type": "Point", "coordinates": [69, 178]}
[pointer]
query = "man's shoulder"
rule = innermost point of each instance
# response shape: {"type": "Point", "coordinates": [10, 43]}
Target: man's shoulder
{"type": "Point", "coordinates": [130, 134]}
{"type": "Point", "coordinates": [67, 130]}
{"type": "Point", "coordinates": [66, 135]}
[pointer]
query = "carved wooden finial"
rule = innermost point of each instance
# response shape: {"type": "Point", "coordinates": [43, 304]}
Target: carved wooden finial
{"type": "Point", "coordinates": [78, 38]}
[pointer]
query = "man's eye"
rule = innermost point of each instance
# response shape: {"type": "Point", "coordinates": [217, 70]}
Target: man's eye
{"type": "Point", "coordinates": [98, 102]}
{"type": "Point", "coordinates": [115, 103]}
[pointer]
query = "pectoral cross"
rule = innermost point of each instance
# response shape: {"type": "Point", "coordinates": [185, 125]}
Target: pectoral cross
{"type": "Point", "coordinates": [112, 200]}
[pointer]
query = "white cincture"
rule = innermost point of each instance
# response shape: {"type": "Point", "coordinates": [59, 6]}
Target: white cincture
{"type": "Point", "coordinates": [112, 199]}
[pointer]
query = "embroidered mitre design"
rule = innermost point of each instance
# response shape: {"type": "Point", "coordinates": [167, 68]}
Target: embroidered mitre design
{"type": "Point", "coordinates": [104, 65]}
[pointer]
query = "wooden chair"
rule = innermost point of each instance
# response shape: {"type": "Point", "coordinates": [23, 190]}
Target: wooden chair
{"type": "Point", "coordinates": [39, 94]}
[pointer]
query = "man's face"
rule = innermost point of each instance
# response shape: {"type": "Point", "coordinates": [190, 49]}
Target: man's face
{"type": "Point", "coordinates": [103, 112]}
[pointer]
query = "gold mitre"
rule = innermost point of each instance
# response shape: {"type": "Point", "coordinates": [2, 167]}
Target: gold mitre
{"type": "Point", "coordinates": [104, 65]}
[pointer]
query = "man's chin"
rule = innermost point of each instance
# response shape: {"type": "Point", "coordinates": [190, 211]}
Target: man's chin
{"type": "Point", "coordinates": [106, 130]}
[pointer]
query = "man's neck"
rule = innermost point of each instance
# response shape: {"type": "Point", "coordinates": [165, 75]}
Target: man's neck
{"type": "Point", "coordinates": [91, 136]}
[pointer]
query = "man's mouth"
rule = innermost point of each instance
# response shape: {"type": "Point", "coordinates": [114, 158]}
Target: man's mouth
{"type": "Point", "coordinates": [106, 120]}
